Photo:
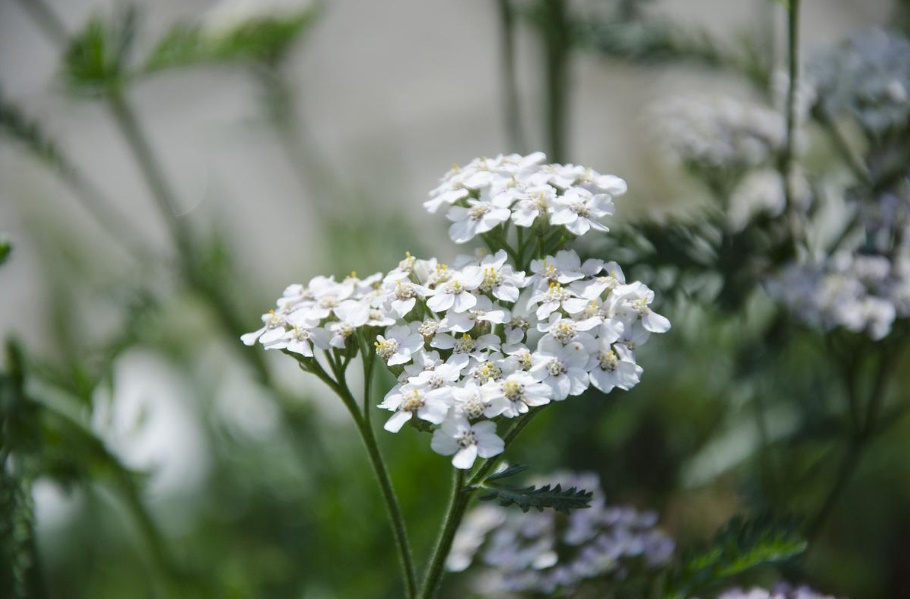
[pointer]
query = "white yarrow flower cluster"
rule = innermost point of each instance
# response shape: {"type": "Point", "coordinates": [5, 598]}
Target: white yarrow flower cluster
{"type": "Point", "coordinates": [546, 552]}
{"type": "Point", "coordinates": [481, 341]}
{"type": "Point", "coordinates": [488, 343]}
{"type": "Point", "coordinates": [320, 315]}
{"type": "Point", "coordinates": [491, 192]}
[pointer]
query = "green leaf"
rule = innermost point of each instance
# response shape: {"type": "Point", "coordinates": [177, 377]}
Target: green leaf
{"type": "Point", "coordinates": [540, 497]}
{"type": "Point", "coordinates": [5, 248]}
{"type": "Point", "coordinates": [15, 124]}
{"type": "Point", "coordinates": [507, 472]}
{"type": "Point", "coordinates": [742, 545]}
{"type": "Point", "coordinates": [266, 39]}
{"type": "Point", "coordinates": [96, 62]}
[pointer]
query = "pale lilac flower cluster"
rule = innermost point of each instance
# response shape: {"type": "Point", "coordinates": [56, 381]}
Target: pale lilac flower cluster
{"type": "Point", "coordinates": [779, 592]}
{"type": "Point", "coordinates": [493, 192]}
{"type": "Point", "coordinates": [711, 133]}
{"type": "Point", "coordinates": [486, 342]}
{"type": "Point", "coordinates": [857, 292]}
{"type": "Point", "coordinates": [868, 77]}
{"type": "Point", "coordinates": [545, 552]}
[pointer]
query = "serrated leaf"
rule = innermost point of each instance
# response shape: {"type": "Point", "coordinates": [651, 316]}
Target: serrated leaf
{"type": "Point", "coordinates": [540, 497]}
{"type": "Point", "coordinates": [742, 545]}
{"type": "Point", "coordinates": [507, 472]}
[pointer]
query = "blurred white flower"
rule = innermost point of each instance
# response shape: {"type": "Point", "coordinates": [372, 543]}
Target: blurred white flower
{"type": "Point", "coordinates": [147, 421]}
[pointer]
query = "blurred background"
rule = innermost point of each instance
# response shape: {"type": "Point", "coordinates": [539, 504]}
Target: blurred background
{"type": "Point", "coordinates": [170, 456]}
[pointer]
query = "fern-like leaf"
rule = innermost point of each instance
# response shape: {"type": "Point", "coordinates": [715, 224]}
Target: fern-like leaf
{"type": "Point", "coordinates": [507, 472]}
{"type": "Point", "coordinates": [256, 40]}
{"type": "Point", "coordinates": [557, 498]}
{"type": "Point", "coordinates": [97, 60]}
{"type": "Point", "coordinates": [742, 545]}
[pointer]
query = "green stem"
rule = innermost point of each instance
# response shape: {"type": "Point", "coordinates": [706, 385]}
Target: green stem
{"type": "Point", "coordinates": [556, 41]}
{"type": "Point", "coordinates": [510, 98]}
{"type": "Point", "coordinates": [153, 173]}
{"type": "Point", "coordinates": [47, 21]}
{"type": "Point", "coordinates": [458, 503]}
{"type": "Point", "coordinates": [461, 496]}
{"type": "Point", "coordinates": [393, 509]}
{"type": "Point", "coordinates": [842, 145]}
{"type": "Point", "coordinates": [787, 159]}
{"type": "Point", "coordinates": [864, 435]}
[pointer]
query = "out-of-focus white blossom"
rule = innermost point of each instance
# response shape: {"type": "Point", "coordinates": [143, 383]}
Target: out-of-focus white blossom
{"type": "Point", "coordinates": [710, 133]}
{"type": "Point", "coordinates": [779, 592]}
{"type": "Point", "coordinates": [761, 193]}
{"type": "Point", "coordinates": [866, 76]}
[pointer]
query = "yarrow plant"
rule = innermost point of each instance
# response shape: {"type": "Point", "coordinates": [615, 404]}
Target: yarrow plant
{"type": "Point", "coordinates": [480, 344]}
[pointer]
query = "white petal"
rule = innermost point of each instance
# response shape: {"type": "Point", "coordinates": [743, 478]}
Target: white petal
{"type": "Point", "coordinates": [465, 457]}
{"type": "Point", "coordinates": [398, 419]}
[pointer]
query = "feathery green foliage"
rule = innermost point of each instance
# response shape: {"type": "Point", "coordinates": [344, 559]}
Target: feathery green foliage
{"type": "Point", "coordinates": [15, 124]}
{"type": "Point", "coordinates": [265, 40]}
{"type": "Point", "coordinates": [557, 498]}
{"type": "Point", "coordinates": [97, 60]}
{"type": "Point", "coordinates": [742, 545]}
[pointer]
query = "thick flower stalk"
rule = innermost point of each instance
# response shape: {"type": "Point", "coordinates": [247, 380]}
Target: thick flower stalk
{"type": "Point", "coordinates": [489, 337]}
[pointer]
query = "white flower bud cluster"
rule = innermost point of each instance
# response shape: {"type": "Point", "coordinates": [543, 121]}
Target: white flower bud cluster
{"type": "Point", "coordinates": [546, 552]}
{"type": "Point", "coordinates": [710, 133]}
{"type": "Point", "coordinates": [481, 341]}
{"type": "Point", "coordinates": [522, 190]}
{"type": "Point", "coordinates": [856, 292]}
{"type": "Point", "coordinates": [866, 76]}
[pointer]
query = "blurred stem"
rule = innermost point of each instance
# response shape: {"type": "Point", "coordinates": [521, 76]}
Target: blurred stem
{"type": "Point", "coordinates": [152, 171]}
{"type": "Point", "coordinates": [309, 170]}
{"type": "Point", "coordinates": [511, 104]}
{"type": "Point", "coordinates": [458, 503]}
{"type": "Point", "coordinates": [105, 212]}
{"type": "Point", "coordinates": [165, 198]}
{"type": "Point", "coordinates": [787, 160]}
{"type": "Point", "coordinates": [45, 18]}
{"type": "Point", "coordinates": [841, 144]}
{"type": "Point", "coordinates": [866, 429]}
{"type": "Point", "coordinates": [556, 42]}
{"type": "Point", "coordinates": [364, 427]}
